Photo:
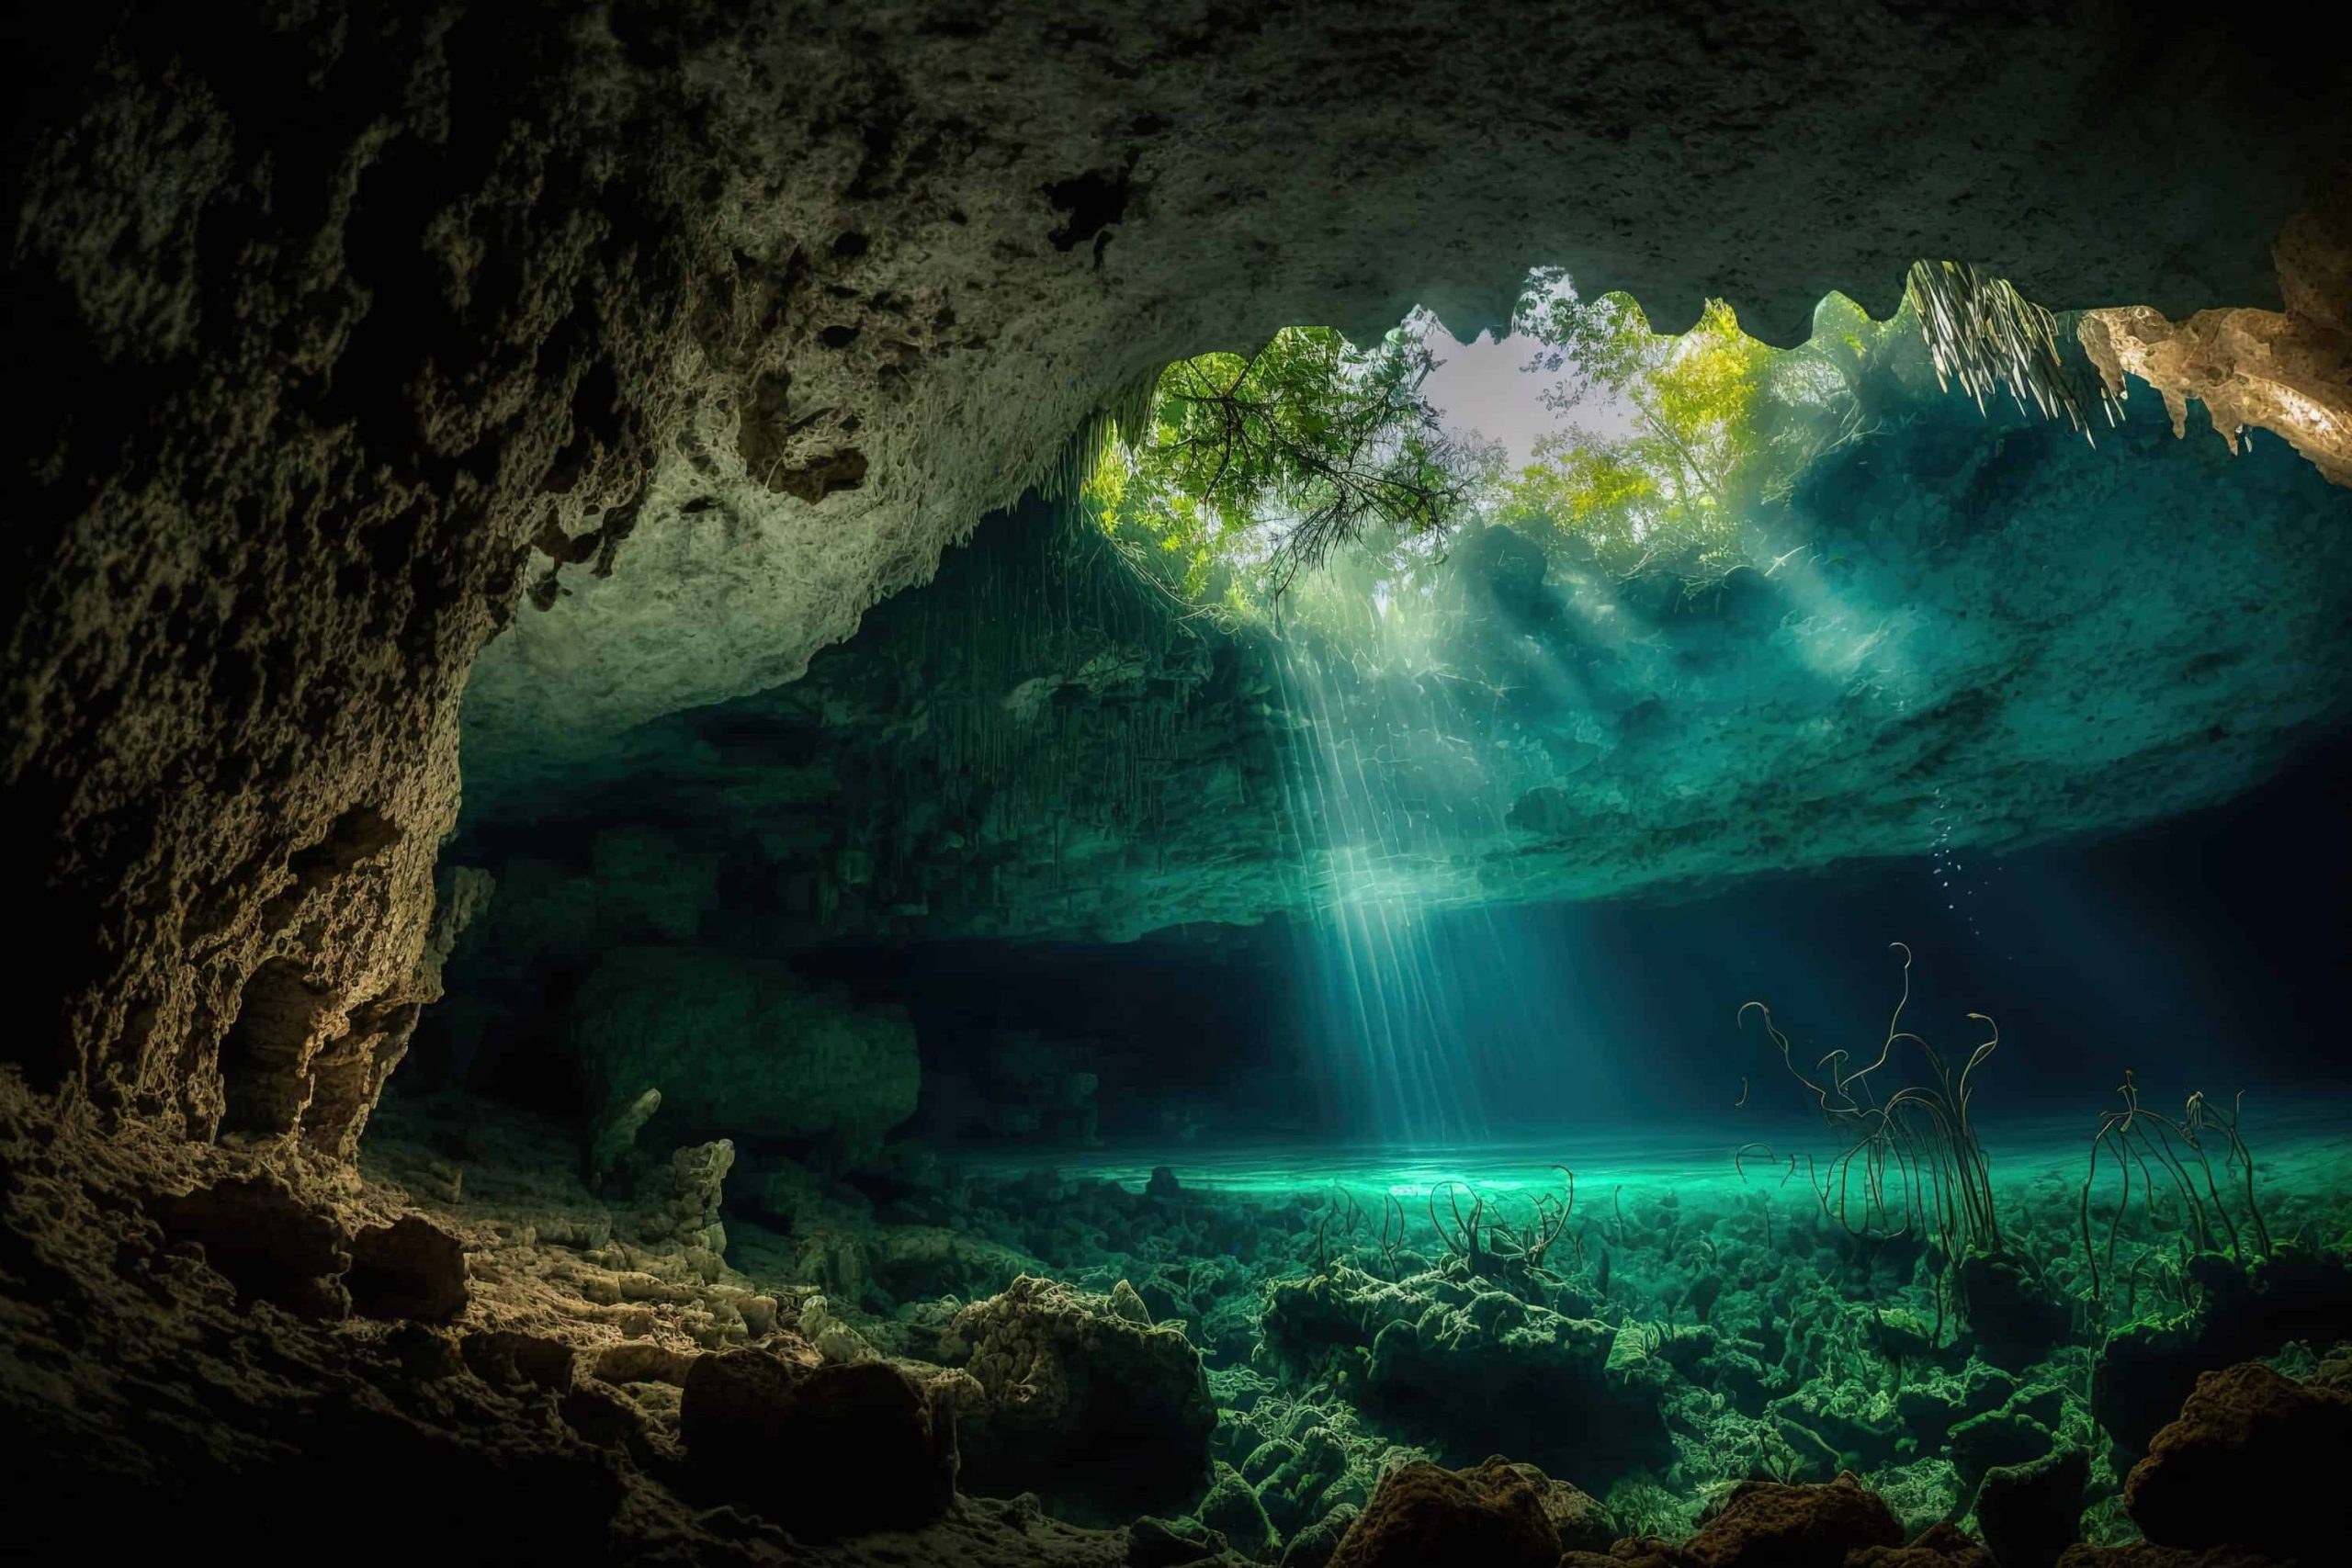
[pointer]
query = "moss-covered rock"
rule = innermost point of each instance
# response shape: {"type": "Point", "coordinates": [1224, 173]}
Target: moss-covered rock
{"type": "Point", "coordinates": [1100, 1416]}
{"type": "Point", "coordinates": [2236, 1468]}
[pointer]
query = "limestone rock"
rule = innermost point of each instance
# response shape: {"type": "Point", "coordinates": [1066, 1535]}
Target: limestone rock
{"type": "Point", "coordinates": [1491, 1515]}
{"type": "Point", "coordinates": [1079, 1403]}
{"type": "Point", "coordinates": [614, 1130]}
{"type": "Point", "coordinates": [2234, 1469]}
{"type": "Point", "coordinates": [2031, 1512]}
{"type": "Point", "coordinates": [1232, 1510]}
{"type": "Point", "coordinates": [688, 1217]}
{"type": "Point", "coordinates": [2141, 1554]}
{"type": "Point", "coordinates": [823, 1449]}
{"type": "Point", "coordinates": [1940, 1545]}
{"type": "Point", "coordinates": [411, 1268]}
{"type": "Point", "coordinates": [1315, 1545]}
{"type": "Point", "coordinates": [269, 1242]}
{"type": "Point", "coordinates": [1767, 1525]}
{"type": "Point", "coordinates": [1580, 1521]}
{"type": "Point", "coordinates": [506, 1358]}
{"type": "Point", "coordinates": [2289, 372]}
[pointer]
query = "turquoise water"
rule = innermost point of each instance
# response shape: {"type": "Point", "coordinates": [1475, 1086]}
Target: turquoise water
{"type": "Point", "coordinates": [2290, 1145]}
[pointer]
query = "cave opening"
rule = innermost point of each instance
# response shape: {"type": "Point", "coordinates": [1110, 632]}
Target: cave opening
{"type": "Point", "coordinates": [947, 784]}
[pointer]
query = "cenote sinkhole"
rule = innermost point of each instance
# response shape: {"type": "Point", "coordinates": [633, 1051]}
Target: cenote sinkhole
{"type": "Point", "coordinates": [1402, 785]}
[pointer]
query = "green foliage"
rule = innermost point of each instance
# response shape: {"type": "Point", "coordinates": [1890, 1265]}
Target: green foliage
{"type": "Point", "coordinates": [1679, 482]}
{"type": "Point", "coordinates": [1255, 467]}
{"type": "Point", "coordinates": [1673, 452]}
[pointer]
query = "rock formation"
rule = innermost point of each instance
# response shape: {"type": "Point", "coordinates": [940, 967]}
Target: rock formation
{"type": "Point", "coordinates": [2287, 371]}
{"type": "Point", "coordinates": [669, 341]}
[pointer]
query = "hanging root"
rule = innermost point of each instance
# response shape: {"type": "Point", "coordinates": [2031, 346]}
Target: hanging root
{"type": "Point", "coordinates": [1124, 421]}
{"type": "Point", "coordinates": [1983, 333]}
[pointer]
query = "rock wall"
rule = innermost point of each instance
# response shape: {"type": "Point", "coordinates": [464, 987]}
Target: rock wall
{"type": "Point", "coordinates": [741, 1048]}
{"type": "Point", "coordinates": [1983, 634]}
{"type": "Point", "coordinates": [2287, 371]}
{"type": "Point", "coordinates": [670, 337]}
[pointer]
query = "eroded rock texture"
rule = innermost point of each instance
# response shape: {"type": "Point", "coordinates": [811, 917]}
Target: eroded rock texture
{"type": "Point", "coordinates": [1980, 626]}
{"type": "Point", "coordinates": [2286, 371]}
{"type": "Point", "coordinates": [708, 325]}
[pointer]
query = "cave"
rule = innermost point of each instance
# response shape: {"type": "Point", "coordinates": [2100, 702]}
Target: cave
{"type": "Point", "coordinates": [980, 782]}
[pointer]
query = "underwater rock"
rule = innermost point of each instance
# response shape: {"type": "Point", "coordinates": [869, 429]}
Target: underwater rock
{"type": "Point", "coordinates": [1941, 1545]}
{"type": "Point", "coordinates": [1232, 1510]}
{"type": "Point", "coordinates": [1490, 1515]}
{"type": "Point", "coordinates": [1171, 1543]}
{"type": "Point", "coordinates": [1931, 1407]}
{"type": "Point", "coordinates": [2234, 1469]}
{"type": "Point", "coordinates": [504, 1358]}
{"type": "Point", "coordinates": [614, 1132]}
{"type": "Point", "coordinates": [410, 1269]}
{"type": "Point", "coordinates": [2020, 1431]}
{"type": "Point", "coordinates": [270, 1244]}
{"type": "Point", "coordinates": [2142, 1554]}
{"type": "Point", "coordinates": [2010, 1312]}
{"type": "Point", "coordinates": [2151, 1367]}
{"type": "Point", "coordinates": [1466, 1366]}
{"type": "Point", "coordinates": [1163, 1187]}
{"type": "Point", "coordinates": [2031, 1512]}
{"type": "Point", "coordinates": [823, 1450]}
{"type": "Point", "coordinates": [1093, 1412]}
{"type": "Point", "coordinates": [1313, 1546]}
{"type": "Point", "coordinates": [688, 1218]}
{"type": "Point", "coordinates": [1580, 1521]}
{"type": "Point", "coordinates": [800, 1063]}
{"type": "Point", "coordinates": [1769, 1525]}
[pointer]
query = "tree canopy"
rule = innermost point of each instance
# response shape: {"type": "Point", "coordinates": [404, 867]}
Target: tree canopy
{"type": "Point", "coordinates": [1258, 466]}
{"type": "Point", "coordinates": [1671, 452]}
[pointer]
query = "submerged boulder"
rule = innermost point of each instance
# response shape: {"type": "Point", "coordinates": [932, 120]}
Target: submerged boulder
{"type": "Point", "coordinates": [1463, 1365]}
{"type": "Point", "coordinates": [1941, 1545]}
{"type": "Point", "coordinates": [2031, 1512]}
{"type": "Point", "coordinates": [1768, 1525]}
{"type": "Point", "coordinates": [1491, 1515]}
{"type": "Point", "coordinates": [824, 1449]}
{"type": "Point", "coordinates": [1098, 1413]}
{"type": "Point", "coordinates": [270, 1242]}
{"type": "Point", "coordinates": [410, 1269]}
{"type": "Point", "coordinates": [2236, 1468]}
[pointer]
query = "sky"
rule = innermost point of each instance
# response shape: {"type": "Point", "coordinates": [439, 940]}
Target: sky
{"type": "Point", "coordinates": [1482, 386]}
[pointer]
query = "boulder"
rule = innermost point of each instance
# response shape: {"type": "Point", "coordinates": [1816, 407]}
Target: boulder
{"type": "Point", "coordinates": [1102, 1416]}
{"type": "Point", "coordinates": [270, 1244]}
{"type": "Point", "coordinates": [503, 1357]}
{"type": "Point", "coordinates": [1580, 1520]}
{"type": "Point", "coordinates": [410, 1269]}
{"type": "Point", "coordinates": [1491, 1516]}
{"type": "Point", "coordinates": [1232, 1510]}
{"type": "Point", "coordinates": [1940, 1545]}
{"type": "Point", "coordinates": [2236, 1468]}
{"type": "Point", "coordinates": [1769, 1525]}
{"type": "Point", "coordinates": [2031, 1512]}
{"type": "Point", "coordinates": [817, 1450]}
{"type": "Point", "coordinates": [2141, 1554]}
{"type": "Point", "coordinates": [1315, 1545]}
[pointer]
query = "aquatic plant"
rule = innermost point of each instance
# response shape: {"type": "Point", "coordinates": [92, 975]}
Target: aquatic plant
{"type": "Point", "coordinates": [1914, 1155]}
{"type": "Point", "coordinates": [1482, 1243]}
{"type": "Point", "coordinates": [2134, 1137]}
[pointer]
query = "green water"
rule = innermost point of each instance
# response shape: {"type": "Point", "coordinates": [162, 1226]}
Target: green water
{"type": "Point", "coordinates": [1684, 1322]}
